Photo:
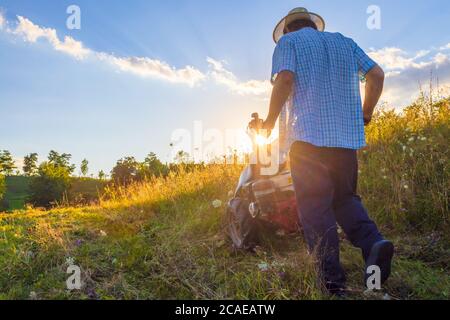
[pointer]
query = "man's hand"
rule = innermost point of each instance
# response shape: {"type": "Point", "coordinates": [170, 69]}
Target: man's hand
{"type": "Point", "coordinates": [367, 119]}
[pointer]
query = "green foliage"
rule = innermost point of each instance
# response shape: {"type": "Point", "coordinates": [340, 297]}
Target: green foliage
{"type": "Point", "coordinates": [85, 191]}
{"type": "Point", "coordinates": [61, 161]}
{"type": "Point", "coordinates": [17, 193]}
{"type": "Point", "coordinates": [7, 164]}
{"type": "Point", "coordinates": [153, 167]}
{"type": "Point", "coordinates": [125, 171]}
{"type": "Point", "coordinates": [102, 175]}
{"type": "Point", "coordinates": [2, 186]}
{"type": "Point", "coordinates": [30, 164]}
{"type": "Point", "coordinates": [49, 186]}
{"type": "Point", "coordinates": [129, 170]}
{"type": "Point", "coordinates": [84, 167]}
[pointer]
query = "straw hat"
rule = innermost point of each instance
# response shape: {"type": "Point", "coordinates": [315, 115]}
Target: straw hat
{"type": "Point", "coordinates": [297, 14]}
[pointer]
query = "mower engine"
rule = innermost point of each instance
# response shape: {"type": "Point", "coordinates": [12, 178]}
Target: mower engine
{"type": "Point", "coordinates": [259, 198]}
{"type": "Point", "coordinates": [275, 202]}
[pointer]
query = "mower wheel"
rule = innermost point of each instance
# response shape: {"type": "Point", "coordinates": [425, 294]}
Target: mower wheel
{"type": "Point", "coordinates": [242, 227]}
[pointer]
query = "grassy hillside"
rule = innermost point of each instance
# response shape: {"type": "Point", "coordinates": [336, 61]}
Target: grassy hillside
{"type": "Point", "coordinates": [164, 239]}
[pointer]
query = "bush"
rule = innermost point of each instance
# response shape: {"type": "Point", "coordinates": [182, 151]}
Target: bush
{"type": "Point", "coordinates": [2, 192]}
{"type": "Point", "coordinates": [2, 187]}
{"type": "Point", "coordinates": [50, 185]}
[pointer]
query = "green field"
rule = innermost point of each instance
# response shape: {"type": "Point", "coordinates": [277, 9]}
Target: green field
{"type": "Point", "coordinates": [17, 193]}
{"type": "Point", "coordinates": [82, 191]}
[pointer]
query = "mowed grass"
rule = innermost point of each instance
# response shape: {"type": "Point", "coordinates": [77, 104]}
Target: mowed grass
{"type": "Point", "coordinates": [164, 239]}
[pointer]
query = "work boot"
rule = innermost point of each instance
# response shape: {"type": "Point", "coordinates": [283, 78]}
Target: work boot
{"type": "Point", "coordinates": [381, 255]}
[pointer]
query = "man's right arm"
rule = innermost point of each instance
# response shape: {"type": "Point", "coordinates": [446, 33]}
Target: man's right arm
{"type": "Point", "coordinates": [374, 89]}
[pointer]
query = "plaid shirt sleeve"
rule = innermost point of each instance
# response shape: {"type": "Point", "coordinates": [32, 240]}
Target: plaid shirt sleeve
{"type": "Point", "coordinates": [365, 63]}
{"type": "Point", "coordinates": [284, 58]}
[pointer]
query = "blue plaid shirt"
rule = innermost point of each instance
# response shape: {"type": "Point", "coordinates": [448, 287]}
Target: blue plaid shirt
{"type": "Point", "coordinates": [325, 108]}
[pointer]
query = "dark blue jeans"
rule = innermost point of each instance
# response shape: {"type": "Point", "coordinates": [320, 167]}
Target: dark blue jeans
{"type": "Point", "coordinates": [325, 182]}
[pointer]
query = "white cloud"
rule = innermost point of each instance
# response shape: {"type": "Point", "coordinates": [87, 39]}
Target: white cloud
{"type": "Point", "coordinates": [224, 77]}
{"type": "Point", "coordinates": [31, 32]}
{"type": "Point", "coordinates": [152, 68]}
{"type": "Point", "coordinates": [395, 58]}
{"type": "Point", "coordinates": [407, 73]}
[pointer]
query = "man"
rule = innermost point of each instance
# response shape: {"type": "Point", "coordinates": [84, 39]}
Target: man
{"type": "Point", "coordinates": [320, 71]}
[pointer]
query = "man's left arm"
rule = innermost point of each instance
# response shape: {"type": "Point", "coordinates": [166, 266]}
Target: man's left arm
{"type": "Point", "coordinates": [282, 89]}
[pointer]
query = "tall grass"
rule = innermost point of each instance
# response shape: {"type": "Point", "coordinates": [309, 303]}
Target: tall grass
{"type": "Point", "coordinates": [164, 238]}
{"type": "Point", "coordinates": [405, 170]}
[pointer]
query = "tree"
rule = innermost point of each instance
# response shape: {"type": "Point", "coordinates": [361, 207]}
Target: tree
{"type": "Point", "coordinates": [50, 184]}
{"type": "Point", "coordinates": [102, 175]}
{"type": "Point", "coordinates": [30, 164]}
{"type": "Point", "coordinates": [61, 160]}
{"type": "Point", "coordinates": [152, 166]}
{"type": "Point", "coordinates": [84, 167]}
{"type": "Point", "coordinates": [182, 157]}
{"type": "Point", "coordinates": [7, 164]}
{"type": "Point", "coordinates": [125, 171]}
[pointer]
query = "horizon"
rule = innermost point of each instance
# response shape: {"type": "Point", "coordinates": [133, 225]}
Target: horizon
{"type": "Point", "coordinates": [115, 88]}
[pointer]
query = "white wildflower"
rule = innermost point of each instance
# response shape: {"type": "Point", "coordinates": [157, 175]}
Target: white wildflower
{"type": "Point", "coordinates": [70, 261]}
{"type": "Point", "coordinates": [406, 187]}
{"type": "Point", "coordinates": [33, 295]}
{"type": "Point", "coordinates": [264, 267]}
{"type": "Point", "coordinates": [103, 233]}
{"type": "Point", "coordinates": [217, 204]}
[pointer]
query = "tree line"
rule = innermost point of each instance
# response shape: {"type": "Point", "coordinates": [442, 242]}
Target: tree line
{"type": "Point", "coordinates": [51, 179]}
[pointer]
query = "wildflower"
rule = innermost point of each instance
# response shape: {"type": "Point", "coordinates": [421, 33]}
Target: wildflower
{"type": "Point", "coordinates": [70, 261]}
{"type": "Point", "coordinates": [411, 139]}
{"type": "Point", "coordinates": [33, 295]}
{"type": "Point", "coordinates": [78, 243]}
{"type": "Point", "coordinates": [217, 204]}
{"type": "Point", "coordinates": [103, 233]}
{"type": "Point", "coordinates": [264, 267]}
{"type": "Point", "coordinates": [406, 187]}
{"type": "Point", "coordinates": [385, 177]}
{"type": "Point", "coordinates": [404, 148]}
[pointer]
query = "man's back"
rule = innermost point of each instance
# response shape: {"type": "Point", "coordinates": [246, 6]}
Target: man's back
{"type": "Point", "coordinates": [326, 108]}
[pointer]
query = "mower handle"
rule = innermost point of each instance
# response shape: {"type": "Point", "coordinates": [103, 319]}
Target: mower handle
{"type": "Point", "coordinates": [257, 123]}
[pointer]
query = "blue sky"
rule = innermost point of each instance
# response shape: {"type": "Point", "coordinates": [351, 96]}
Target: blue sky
{"type": "Point", "coordinates": [147, 68]}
